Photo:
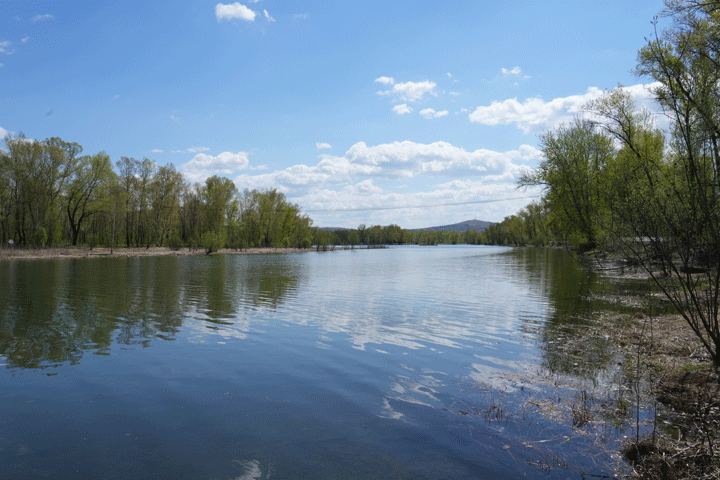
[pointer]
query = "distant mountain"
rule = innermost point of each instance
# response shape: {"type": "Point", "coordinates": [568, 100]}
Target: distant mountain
{"type": "Point", "coordinates": [478, 225]}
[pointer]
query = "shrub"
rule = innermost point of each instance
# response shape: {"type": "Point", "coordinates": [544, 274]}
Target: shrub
{"type": "Point", "coordinates": [212, 242]}
{"type": "Point", "coordinates": [174, 243]}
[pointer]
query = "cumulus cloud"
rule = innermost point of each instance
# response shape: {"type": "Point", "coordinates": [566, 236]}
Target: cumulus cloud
{"type": "Point", "coordinates": [413, 91]}
{"type": "Point", "coordinates": [375, 203]}
{"type": "Point", "coordinates": [402, 109]}
{"type": "Point", "coordinates": [5, 47]}
{"type": "Point", "coordinates": [373, 177]}
{"type": "Point", "coordinates": [156, 150]}
{"type": "Point", "coordinates": [394, 161]}
{"type": "Point", "coordinates": [197, 149]}
{"type": "Point", "coordinates": [322, 145]}
{"type": "Point", "coordinates": [430, 113]}
{"type": "Point", "coordinates": [301, 16]}
{"type": "Point", "coordinates": [3, 133]}
{"type": "Point", "coordinates": [232, 11]}
{"type": "Point", "coordinates": [535, 114]}
{"type": "Point", "coordinates": [407, 91]}
{"type": "Point", "coordinates": [514, 71]}
{"type": "Point", "coordinates": [23, 40]}
{"type": "Point", "coordinates": [268, 17]}
{"type": "Point", "coordinates": [385, 80]}
{"type": "Point", "coordinates": [42, 18]}
{"type": "Point", "coordinates": [225, 164]}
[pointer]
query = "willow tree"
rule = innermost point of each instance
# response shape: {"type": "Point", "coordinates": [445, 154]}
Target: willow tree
{"type": "Point", "coordinates": [571, 172]}
{"type": "Point", "coordinates": [666, 198]}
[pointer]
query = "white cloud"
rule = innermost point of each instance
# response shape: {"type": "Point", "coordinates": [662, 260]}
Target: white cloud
{"type": "Point", "coordinates": [376, 178]}
{"type": "Point", "coordinates": [431, 113]}
{"type": "Point", "coordinates": [514, 71]}
{"type": "Point", "coordinates": [322, 146]}
{"type": "Point", "coordinates": [385, 80]}
{"type": "Point", "coordinates": [3, 133]}
{"type": "Point", "coordinates": [268, 17]}
{"type": "Point", "coordinates": [40, 18]}
{"type": "Point", "coordinates": [2, 65]}
{"type": "Point", "coordinates": [191, 150]}
{"type": "Point", "coordinates": [203, 165]}
{"type": "Point", "coordinates": [197, 149]}
{"type": "Point", "coordinates": [449, 74]}
{"type": "Point", "coordinates": [156, 150]}
{"type": "Point", "coordinates": [302, 16]}
{"type": "Point", "coordinates": [402, 109]}
{"type": "Point", "coordinates": [5, 47]}
{"type": "Point", "coordinates": [535, 114]}
{"type": "Point", "coordinates": [397, 160]}
{"type": "Point", "coordinates": [409, 91]}
{"type": "Point", "coordinates": [234, 10]}
{"type": "Point", "coordinates": [23, 40]}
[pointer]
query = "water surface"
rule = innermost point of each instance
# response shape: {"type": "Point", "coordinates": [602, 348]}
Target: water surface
{"type": "Point", "coordinates": [411, 362]}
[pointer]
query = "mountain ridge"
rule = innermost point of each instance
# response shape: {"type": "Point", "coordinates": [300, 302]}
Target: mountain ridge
{"type": "Point", "coordinates": [477, 225]}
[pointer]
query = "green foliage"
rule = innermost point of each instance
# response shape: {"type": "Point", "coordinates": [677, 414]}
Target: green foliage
{"type": "Point", "coordinates": [212, 242]}
{"type": "Point", "coordinates": [174, 243]}
{"type": "Point", "coordinates": [40, 238]}
{"type": "Point", "coordinates": [92, 240]}
{"type": "Point", "coordinates": [658, 202]}
{"type": "Point", "coordinates": [267, 219]}
{"type": "Point", "coordinates": [572, 173]}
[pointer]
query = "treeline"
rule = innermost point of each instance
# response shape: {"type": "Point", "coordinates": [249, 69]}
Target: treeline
{"type": "Point", "coordinates": [616, 184]}
{"type": "Point", "coordinates": [394, 235]}
{"type": "Point", "coordinates": [50, 195]}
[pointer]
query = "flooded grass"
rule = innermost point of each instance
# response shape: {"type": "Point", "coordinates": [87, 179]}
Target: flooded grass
{"type": "Point", "coordinates": [631, 376]}
{"type": "Point", "coordinates": [664, 395]}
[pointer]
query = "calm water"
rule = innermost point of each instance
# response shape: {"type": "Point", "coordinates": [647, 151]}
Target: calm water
{"type": "Point", "coordinates": [404, 362]}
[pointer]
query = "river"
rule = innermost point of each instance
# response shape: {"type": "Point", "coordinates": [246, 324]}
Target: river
{"type": "Point", "coordinates": [404, 363]}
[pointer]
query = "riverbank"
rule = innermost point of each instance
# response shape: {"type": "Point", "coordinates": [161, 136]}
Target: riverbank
{"type": "Point", "coordinates": [103, 252]}
{"type": "Point", "coordinates": [664, 355]}
{"type": "Point", "coordinates": [661, 356]}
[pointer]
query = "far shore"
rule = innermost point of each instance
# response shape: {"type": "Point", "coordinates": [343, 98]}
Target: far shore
{"type": "Point", "coordinates": [104, 252]}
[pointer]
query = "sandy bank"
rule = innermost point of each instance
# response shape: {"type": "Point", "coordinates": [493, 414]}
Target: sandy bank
{"type": "Point", "coordinates": [102, 252]}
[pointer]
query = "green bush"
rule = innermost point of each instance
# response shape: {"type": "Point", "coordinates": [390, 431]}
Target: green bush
{"type": "Point", "coordinates": [174, 243]}
{"type": "Point", "coordinates": [212, 242]}
{"type": "Point", "coordinates": [92, 240]}
{"type": "Point", "coordinates": [40, 238]}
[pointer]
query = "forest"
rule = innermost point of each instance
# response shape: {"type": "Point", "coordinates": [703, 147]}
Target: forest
{"type": "Point", "coordinates": [50, 195]}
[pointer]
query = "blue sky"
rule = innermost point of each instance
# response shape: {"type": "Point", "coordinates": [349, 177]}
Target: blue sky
{"type": "Point", "coordinates": [416, 113]}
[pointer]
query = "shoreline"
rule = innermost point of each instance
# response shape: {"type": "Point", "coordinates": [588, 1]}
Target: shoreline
{"type": "Point", "coordinates": [679, 383]}
{"type": "Point", "coordinates": [31, 253]}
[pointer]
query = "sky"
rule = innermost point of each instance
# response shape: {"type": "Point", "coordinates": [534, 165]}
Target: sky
{"type": "Point", "coordinates": [415, 113]}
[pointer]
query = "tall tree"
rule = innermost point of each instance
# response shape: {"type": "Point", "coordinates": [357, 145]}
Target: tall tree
{"type": "Point", "coordinates": [572, 174]}
{"type": "Point", "coordinates": [679, 231]}
{"type": "Point", "coordinates": [126, 168]}
{"type": "Point", "coordinates": [166, 188]}
{"type": "Point", "coordinates": [82, 199]}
